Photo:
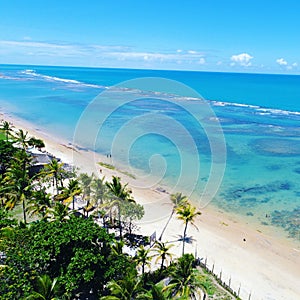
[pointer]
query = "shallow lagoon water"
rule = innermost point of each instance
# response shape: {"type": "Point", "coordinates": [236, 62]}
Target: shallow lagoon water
{"type": "Point", "coordinates": [262, 176]}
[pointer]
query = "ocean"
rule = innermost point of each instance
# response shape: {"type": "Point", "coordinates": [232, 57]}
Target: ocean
{"type": "Point", "coordinates": [228, 139]}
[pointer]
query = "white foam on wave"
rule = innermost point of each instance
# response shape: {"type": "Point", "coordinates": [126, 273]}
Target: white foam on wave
{"type": "Point", "coordinates": [260, 110]}
{"type": "Point", "coordinates": [269, 111]}
{"type": "Point", "coordinates": [221, 103]}
{"type": "Point", "coordinates": [33, 73]}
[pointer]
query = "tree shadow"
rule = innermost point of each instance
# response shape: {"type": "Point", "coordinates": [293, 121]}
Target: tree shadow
{"type": "Point", "coordinates": [188, 239]}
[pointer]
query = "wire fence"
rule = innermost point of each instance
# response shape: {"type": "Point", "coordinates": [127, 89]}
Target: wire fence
{"type": "Point", "coordinates": [226, 281]}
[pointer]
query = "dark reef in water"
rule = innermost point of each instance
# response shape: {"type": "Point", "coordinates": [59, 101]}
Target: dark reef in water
{"type": "Point", "coordinates": [233, 157]}
{"type": "Point", "coordinates": [297, 170]}
{"type": "Point", "coordinates": [288, 220]}
{"type": "Point", "coordinates": [273, 167]}
{"type": "Point", "coordinates": [244, 195]}
{"type": "Point", "coordinates": [276, 147]}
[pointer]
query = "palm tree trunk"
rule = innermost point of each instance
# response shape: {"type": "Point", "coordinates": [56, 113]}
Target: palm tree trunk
{"type": "Point", "coordinates": [143, 269]}
{"type": "Point", "coordinates": [56, 183]}
{"type": "Point", "coordinates": [162, 264]}
{"type": "Point", "coordinates": [87, 206]}
{"type": "Point", "coordinates": [130, 228]}
{"type": "Point", "coordinates": [24, 211]}
{"type": "Point", "coordinates": [163, 231]}
{"type": "Point", "coordinates": [104, 223]}
{"type": "Point", "coordinates": [120, 225]}
{"type": "Point", "coordinates": [184, 236]}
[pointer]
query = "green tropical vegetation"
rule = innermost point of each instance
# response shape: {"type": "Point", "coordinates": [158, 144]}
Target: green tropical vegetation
{"type": "Point", "coordinates": [64, 236]}
{"type": "Point", "coordinates": [186, 213]}
{"type": "Point", "coordinates": [177, 199]}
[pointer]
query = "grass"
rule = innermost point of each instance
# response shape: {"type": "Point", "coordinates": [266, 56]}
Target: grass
{"type": "Point", "coordinates": [213, 287]}
{"type": "Point", "coordinates": [17, 212]}
{"type": "Point", "coordinates": [2, 135]}
{"type": "Point", "coordinates": [111, 167]}
{"type": "Point", "coordinates": [223, 223]}
{"type": "Point", "coordinates": [107, 166]}
{"type": "Point", "coordinates": [128, 174]}
{"type": "Point", "coordinates": [209, 285]}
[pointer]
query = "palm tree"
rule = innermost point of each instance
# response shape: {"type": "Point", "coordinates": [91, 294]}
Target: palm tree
{"type": "Point", "coordinates": [177, 199]}
{"type": "Point", "coordinates": [157, 292]}
{"type": "Point", "coordinates": [118, 189]}
{"type": "Point", "coordinates": [99, 190]}
{"type": "Point", "coordinates": [40, 203]}
{"type": "Point", "coordinates": [86, 181]}
{"type": "Point", "coordinates": [7, 151]}
{"type": "Point", "coordinates": [120, 193]}
{"type": "Point", "coordinates": [117, 247]}
{"type": "Point", "coordinates": [68, 194]}
{"type": "Point", "coordinates": [187, 213]}
{"type": "Point", "coordinates": [45, 289]}
{"type": "Point", "coordinates": [142, 257]}
{"type": "Point", "coordinates": [59, 212]}
{"type": "Point", "coordinates": [22, 138]}
{"type": "Point", "coordinates": [162, 253]}
{"type": "Point", "coordinates": [186, 281]}
{"type": "Point", "coordinates": [18, 185]}
{"type": "Point", "coordinates": [7, 128]}
{"type": "Point", "coordinates": [127, 288]}
{"type": "Point", "coordinates": [55, 170]}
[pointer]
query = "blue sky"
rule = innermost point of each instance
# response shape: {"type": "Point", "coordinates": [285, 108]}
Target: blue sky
{"type": "Point", "coordinates": [212, 35]}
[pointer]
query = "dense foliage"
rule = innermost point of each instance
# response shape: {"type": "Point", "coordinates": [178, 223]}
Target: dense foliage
{"type": "Point", "coordinates": [77, 252]}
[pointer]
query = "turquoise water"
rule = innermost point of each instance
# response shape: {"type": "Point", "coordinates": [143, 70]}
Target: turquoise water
{"type": "Point", "coordinates": [168, 131]}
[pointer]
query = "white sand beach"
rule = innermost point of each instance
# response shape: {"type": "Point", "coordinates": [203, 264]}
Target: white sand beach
{"type": "Point", "coordinates": [254, 262]}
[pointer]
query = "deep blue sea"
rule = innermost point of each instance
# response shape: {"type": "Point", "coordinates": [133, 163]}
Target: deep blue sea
{"type": "Point", "coordinates": [180, 129]}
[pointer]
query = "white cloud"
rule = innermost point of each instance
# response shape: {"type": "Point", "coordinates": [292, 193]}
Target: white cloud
{"type": "Point", "coordinates": [29, 44]}
{"type": "Point", "coordinates": [201, 61]}
{"type": "Point", "coordinates": [281, 62]}
{"type": "Point", "coordinates": [284, 64]}
{"type": "Point", "coordinates": [45, 52]}
{"type": "Point", "coordinates": [183, 57]}
{"type": "Point", "coordinates": [243, 59]}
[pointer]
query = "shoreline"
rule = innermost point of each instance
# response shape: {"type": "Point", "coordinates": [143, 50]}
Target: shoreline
{"type": "Point", "coordinates": [263, 265]}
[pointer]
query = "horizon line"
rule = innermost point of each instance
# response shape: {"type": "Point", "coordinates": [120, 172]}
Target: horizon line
{"type": "Point", "coordinates": [149, 69]}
